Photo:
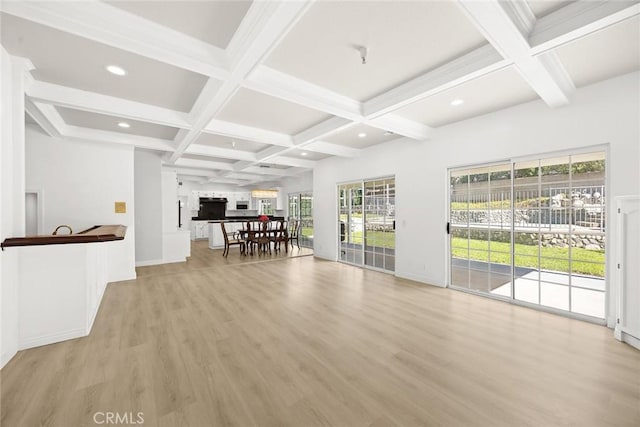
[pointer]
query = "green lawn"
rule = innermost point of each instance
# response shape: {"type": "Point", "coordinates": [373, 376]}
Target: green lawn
{"type": "Point", "coordinates": [499, 204]}
{"type": "Point", "coordinates": [381, 239]}
{"type": "Point", "coordinates": [554, 259]}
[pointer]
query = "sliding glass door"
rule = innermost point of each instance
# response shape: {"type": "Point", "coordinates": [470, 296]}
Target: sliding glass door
{"type": "Point", "coordinates": [480, 231]}
{"type": "Point", "coordinates": [532, 231]}
{"type": "Point", "coordinates": [351, 224]}
{"type": "Point", "coordinates": [367, 223]}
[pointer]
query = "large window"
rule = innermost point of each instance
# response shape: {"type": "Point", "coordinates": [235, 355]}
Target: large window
{"type": "Point", "coordinates": [301, 208]}
{"type": "Point", "coordinates": [266, 206]}
{"type": "Point", "coordinates": [532, 231]}
{"type": "Point", "coordinates": [366, 212]}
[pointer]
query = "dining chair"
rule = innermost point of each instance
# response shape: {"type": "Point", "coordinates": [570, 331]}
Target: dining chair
{"type": "Point", "coordinates": [251, 235]}
{"type": "Point", "coordinates": [281, 235]}
{"type": "Point", "coordinates": [232, 239]}
{"type": "Point", "coordinates": [294, 232]}
{"type": "Point", "coordinates": [264, 241]}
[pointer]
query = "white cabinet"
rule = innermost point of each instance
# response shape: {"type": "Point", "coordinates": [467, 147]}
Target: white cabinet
{"type": "Point", "coordinates": [199, 230]}
{"type": "Point", "coordinates": [231, 200]}
{"type": "Point", "coordinates": [243, 197]}
{"type": "Point", "coordinates": [194, 201]}
{"type": "Point", "coordinates": [627, 326]}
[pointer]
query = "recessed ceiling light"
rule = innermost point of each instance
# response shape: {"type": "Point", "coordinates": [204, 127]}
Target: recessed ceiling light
{"type": "Point", "coordinates": [457, 102]}
{"type": "Point", "coordinates": [118, 71]}
{"type": "Point", "coordinates": [124, 125]}
{"type": "Point", "coordinates": [303, 153]}
{"type": "Point", "coordinates": [362, 135]}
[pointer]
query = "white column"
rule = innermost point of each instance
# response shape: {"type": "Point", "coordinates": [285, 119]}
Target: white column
{"type": "Point", "coordinates": [12, 193]}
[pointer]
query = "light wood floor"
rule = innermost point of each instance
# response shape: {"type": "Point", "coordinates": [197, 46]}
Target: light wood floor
{"type": "Point", "coordinates": [305, 342]}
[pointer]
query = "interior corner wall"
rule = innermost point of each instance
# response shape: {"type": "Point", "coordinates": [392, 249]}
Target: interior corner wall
{"type": "Point", "coordinates": [148, 206]}
{"type": "Point", "coordinates": [603, 113]}
{"type": "Point", "coordinates": [80, 182]}
{"type": "Point", "coordinates": [12, 195]}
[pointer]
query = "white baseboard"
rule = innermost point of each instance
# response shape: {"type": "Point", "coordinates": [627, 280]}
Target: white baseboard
{"type": "Point", "coordinates": [169, 261]}
{"type": "Point", "coordinates": [51, 338]}
{"type": "Point", "coordinates": [419, 278]}
{"type": "Point", "coordinates": [323, 256]}
{"type": "Point", "coordinates": [150, 262]}
{"type": "Point", "coordinates": [631, 340]}
{"type": "Point", "coordinates": [6, 357]}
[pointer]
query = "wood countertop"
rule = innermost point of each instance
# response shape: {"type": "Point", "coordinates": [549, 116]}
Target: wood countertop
{"type": "Point", "coordinates": [97, 233]}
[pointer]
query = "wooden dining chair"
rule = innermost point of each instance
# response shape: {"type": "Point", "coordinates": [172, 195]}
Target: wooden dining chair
{"type": "Point", "coordinates": [232, 239]}
{"type": "Point", "coordinates": [281, 235]}
{"type": "Point", "coordinates": [262, 237]}
{"type": "Point", "coordinates": [251, 236]}
{"type": "Point", "coordinates": [294, 233]}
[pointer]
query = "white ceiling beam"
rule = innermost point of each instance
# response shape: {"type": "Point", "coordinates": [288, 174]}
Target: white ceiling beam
{"type": "Point", "coordinates": [204, 164]}
{"type": "Point", "coordinates": [322, 130]}
{"type": "Point", "coordinates": [249, 133]}
{"type": "Point", "coordinates": [346, 110]}
{"type": "Point", "coordinates": [577, 20]}
{"type": "Point", "coordinates": [496, 21]}
{"type": "Point", "coordinates": [290, 161]}
{"type": "Point", "coordinates": [247, 176]}
{"type": "Point", "coordinates": [284, 86]}
{"type": "Point", "coordinates": [301, 141]}
{"type": "Point", "coordinates": [269, 23]}
{"type": "Point", "coordinates": [401, 126]}
{"type": "Point", "coordinates": [474, 64]}
{"type": "Point", "coordinates": [225, 153]}
{"type": "Point", "coordinates": [332, 149]}
{"type": "Point", "coordinates": [189, 178]}
{"type": "Point", "coordinates": [47, 117]}
{"type": "Point", "coordinates": [189, 171]}
{"type": "Point", "coordinates": [103, 104]}
{"type": "Point", "coordinates": [257, 170]}
{"type": "Point", "coordinates": [117, 28]}
{"type": "Point", "coordinates": [96, 135]}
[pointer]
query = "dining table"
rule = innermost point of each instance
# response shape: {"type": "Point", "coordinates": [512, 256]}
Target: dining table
{"type": "Point", "coordinates": [248, 235]}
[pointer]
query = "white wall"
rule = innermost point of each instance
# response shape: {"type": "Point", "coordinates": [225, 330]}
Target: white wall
{"type": "Point", "coordinates": [169, 201]}
{"type": "Point", "coordinates": [80, 182]}
{"type": "Point", "coordinates": [605, 113]}
{"type": "Point", "coordinates": [148, 206]}
{"type": "Point", "coordinates": [301, 183]}
{"type": "Point", "coordinates": [12, 195]}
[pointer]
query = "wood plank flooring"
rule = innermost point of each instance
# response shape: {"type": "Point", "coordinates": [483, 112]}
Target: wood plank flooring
{"type": "Point", "coordinates": [283, 341]}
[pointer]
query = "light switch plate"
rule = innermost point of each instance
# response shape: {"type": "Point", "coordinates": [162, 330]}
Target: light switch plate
{"type": "Point", "coordinates": [121, 207]}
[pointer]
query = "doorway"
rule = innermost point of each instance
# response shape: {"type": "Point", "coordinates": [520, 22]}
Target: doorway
{"type": "Point", "coordinates": [33, 210]}
{"type": "Point", "coordinates": [366, 221]}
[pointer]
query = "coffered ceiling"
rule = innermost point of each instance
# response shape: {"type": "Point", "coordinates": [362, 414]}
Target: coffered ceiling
{"type": "Point", "coordinates": [248, 93]}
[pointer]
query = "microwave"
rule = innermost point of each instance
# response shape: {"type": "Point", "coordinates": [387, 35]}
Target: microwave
{"type": "Point", "coordinates": [242, 205]}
